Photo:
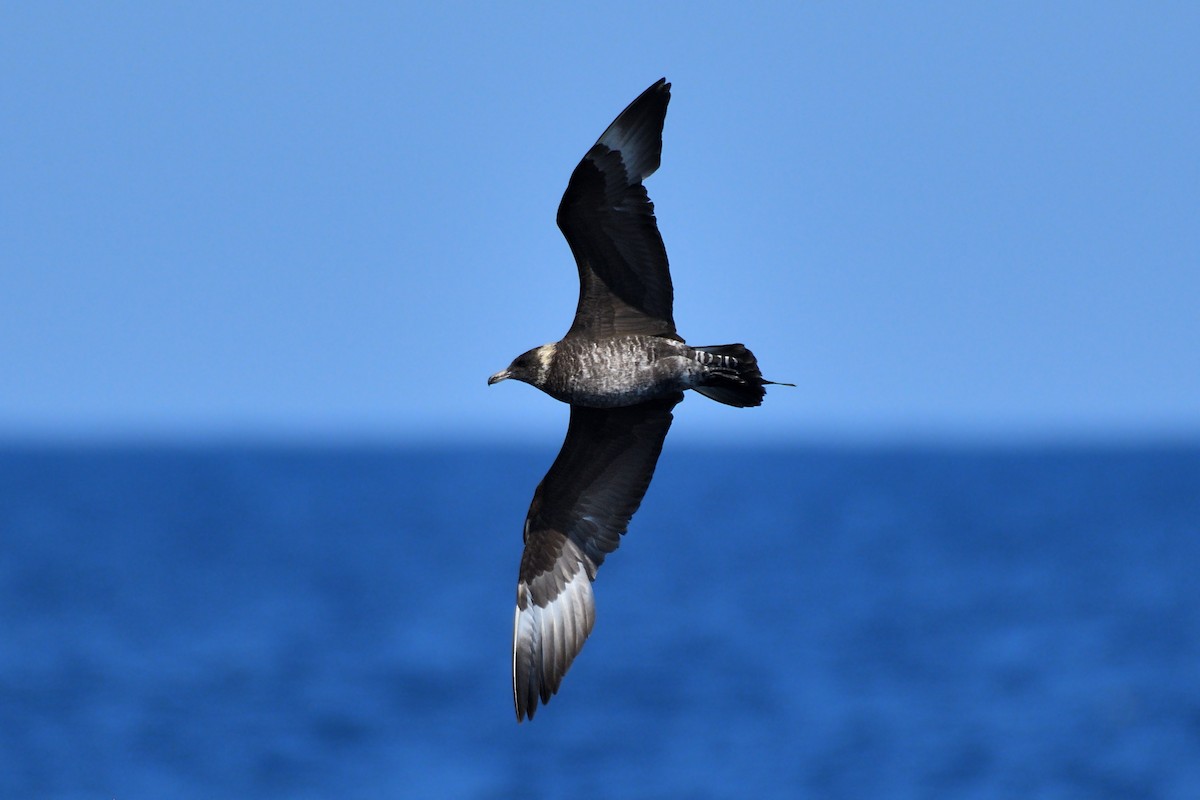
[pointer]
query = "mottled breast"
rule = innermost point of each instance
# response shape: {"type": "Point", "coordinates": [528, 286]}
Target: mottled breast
{"type": "Point", "coordinates": [619, 371]}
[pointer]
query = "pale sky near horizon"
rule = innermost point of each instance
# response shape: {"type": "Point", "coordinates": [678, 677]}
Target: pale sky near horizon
{"type": "Point", "coordinates": [938, 219]}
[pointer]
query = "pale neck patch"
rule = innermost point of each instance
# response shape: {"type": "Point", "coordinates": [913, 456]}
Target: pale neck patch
{"type": "Point", "coordinates": [545, 355]}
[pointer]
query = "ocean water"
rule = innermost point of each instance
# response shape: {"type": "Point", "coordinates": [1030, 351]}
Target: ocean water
{"type": "Point", "coordinates": [263, 622]}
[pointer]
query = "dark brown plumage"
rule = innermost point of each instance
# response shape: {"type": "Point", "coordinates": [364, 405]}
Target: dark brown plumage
{"type": "Point", "coordinates": [623, 368]}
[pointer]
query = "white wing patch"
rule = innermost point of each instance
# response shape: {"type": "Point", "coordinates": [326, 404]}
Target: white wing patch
{"type": "Point", "coordinates": [547, 639]}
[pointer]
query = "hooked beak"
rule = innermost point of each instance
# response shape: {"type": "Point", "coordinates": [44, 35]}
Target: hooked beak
{"type": "Point", "coordinates": [499, 376]}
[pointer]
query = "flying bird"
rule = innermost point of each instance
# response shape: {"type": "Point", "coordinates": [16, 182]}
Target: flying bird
{"type": "Point", "coordinates": [622, 367]}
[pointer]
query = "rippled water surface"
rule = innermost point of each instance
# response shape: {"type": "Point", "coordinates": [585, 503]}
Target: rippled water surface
{"type": "Point", "coordinates": [335, 623]}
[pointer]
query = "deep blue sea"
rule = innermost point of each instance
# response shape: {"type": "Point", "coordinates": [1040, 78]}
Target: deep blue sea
{"type": "Point", "coordinates": [275, 622]}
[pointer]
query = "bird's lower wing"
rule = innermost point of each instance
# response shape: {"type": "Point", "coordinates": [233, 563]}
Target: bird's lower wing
{"type": "Point", "coordinates": [578, 513]}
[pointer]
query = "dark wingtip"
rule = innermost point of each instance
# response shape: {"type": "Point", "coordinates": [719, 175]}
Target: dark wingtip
{"type": "Point", "coordinates": [636, 133]}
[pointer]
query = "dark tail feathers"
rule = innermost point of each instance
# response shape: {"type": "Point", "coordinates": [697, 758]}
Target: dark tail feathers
{"type": "Point", "coordinates": [731, 375]}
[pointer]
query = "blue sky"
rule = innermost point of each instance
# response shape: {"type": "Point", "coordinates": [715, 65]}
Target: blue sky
{"type": "Point", "coordinates": [947, 220]}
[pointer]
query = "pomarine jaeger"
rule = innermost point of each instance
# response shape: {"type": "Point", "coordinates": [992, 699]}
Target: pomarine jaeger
{"type": "Point", "coordinates": [622, 367]}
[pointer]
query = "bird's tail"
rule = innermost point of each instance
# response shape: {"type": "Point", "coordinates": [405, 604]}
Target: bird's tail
{"type": "Point", "coordinates": [731, 375]}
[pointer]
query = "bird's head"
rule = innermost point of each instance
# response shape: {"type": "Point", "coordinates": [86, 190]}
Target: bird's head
{"type": "Point", "coordinates": [530, 367]}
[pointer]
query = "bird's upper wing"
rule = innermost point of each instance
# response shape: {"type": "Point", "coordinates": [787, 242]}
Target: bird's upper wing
{"type": "Point", "coordinates": [578, 513]}
{"type": "Point", "coordinates": [608, 219]}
